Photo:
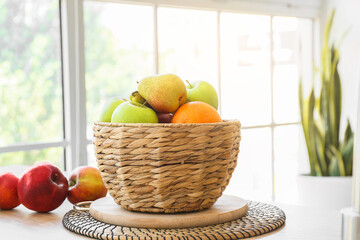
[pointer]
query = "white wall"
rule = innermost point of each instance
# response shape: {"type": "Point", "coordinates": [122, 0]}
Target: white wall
{"type": "Point", "coordinates": [347, 16]}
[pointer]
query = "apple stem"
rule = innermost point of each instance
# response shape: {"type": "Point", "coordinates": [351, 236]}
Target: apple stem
{"type": "Point", "coordinates": [189, 83]}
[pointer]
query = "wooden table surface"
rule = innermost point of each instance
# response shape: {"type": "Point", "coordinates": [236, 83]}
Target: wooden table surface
{"type": "Point", "coordinates": [301, 223]}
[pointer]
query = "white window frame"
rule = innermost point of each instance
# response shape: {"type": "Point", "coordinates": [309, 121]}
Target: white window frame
{"type": "Point", "coordinates": [73, 62]}
{"type": "Point", "coordinates": [73, 59]}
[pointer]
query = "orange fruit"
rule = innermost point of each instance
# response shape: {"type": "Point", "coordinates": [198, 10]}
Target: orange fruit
{"type": "Point", "coordinates": [196, 112]}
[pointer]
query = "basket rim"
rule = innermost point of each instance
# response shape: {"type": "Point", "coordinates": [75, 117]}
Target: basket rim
{"type": "Point", "coordinates": [223, 123]}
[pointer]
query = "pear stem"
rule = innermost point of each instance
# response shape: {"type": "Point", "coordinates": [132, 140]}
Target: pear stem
{"type": "Point", "coordinates": [189, 83]}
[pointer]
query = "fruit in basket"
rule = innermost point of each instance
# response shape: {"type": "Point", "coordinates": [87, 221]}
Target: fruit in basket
{"type": "Point", "coordinates": [8, 191]}
{"type": "Point", "coordinates": [42, 187]}
{"type": "Point", "coordinates": [109, 108]}
{"type": "Point", "coordinates": [196, 112]}
{"type": "Point", "coordinates": [132, 112]}
{"type": "Point", "coordinates": [165, 93]}
{"type": "Point", "coordinates": [85, 184]}
{"type": "Point", "coordinates": [136, 97]}
{"type": "Point", "coordinates": [202, 91]}
{"type": "Point", "coordinates": [164, 117]}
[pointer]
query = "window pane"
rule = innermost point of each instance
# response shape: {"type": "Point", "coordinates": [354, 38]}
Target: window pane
{"type": "Point", "coordinates": [287, 154]}
{"type": "Point", "coordinates": [30, 72]}
{"type": "Point", "coordinates": [252, 176]}
{"type": "Point", "coordinates": [51, 155]}
{"type": "Point", "coordinates": [118, 52]}
{"type": "Point", "coordinates": [188, 44]}
{"type": "Point", "coordinates": [91, 155]}
{"type": "Point", "coordinates": [245, 68]}
{"type": "Point", "coordinates": [292, 50]}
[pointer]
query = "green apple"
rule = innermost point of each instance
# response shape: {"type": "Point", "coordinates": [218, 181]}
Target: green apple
{"type": "Point", "coordinates": [202, 91]}
{"type": "Point", "coordinates": [109, 108]}
{"type": "Point", "coordinates": [132, 112]}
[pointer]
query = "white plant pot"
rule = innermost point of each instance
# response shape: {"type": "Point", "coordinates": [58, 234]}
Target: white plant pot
{"type": "Point", "coordinates": [325, 192]}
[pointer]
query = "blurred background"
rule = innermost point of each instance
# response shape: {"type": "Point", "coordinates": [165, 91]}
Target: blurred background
{"type": "Point", "coordinates": [53, 83]}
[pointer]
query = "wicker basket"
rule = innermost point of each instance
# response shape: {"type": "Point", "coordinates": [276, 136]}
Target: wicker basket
{"type": "Point", "coordinates": [166, 167]}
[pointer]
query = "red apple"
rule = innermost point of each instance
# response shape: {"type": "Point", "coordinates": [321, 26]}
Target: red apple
{"type": "Point", "coordinates": [86, 184]}
{"type": "Point", "coordinates": [8, 191]}
{"type": "Point", "coordinates": [42, 188]}
{"type": "Point", "coordinates": [164, 117]}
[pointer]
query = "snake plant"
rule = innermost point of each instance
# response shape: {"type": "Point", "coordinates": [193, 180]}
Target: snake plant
{"type": "Point", "coordinates": [329, 155]}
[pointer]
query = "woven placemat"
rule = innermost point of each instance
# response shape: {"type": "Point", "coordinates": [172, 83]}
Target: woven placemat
{"type": "Point", "coordinates": [261, 218]}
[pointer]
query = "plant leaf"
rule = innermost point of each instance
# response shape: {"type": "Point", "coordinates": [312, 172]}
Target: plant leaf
{"type": "Point", "coordinates": [347, 149]}
{"type": "Point", "coordinates": [320, 147]}
{"type": "Point", "coordinates": [311, 128]}
{"type": "Point", "coordinates": [333, 166]}
{"type": "Point", "coordinates": [347, 154]}
{"type": "Point", "coordinates": [336, 167]}
{"type": "Point", "coordinates": [301, 99]}
{"type": "Point", "coordinates": [307, 121]}
{"type": "Point", "coordinates": [348, 132]}
{"type": "Point", "coordinates": [334, 98]}
{"type": "Point", "coordinates": [325, 58]}
{"type": "Point", "coordinates": [324, 114]}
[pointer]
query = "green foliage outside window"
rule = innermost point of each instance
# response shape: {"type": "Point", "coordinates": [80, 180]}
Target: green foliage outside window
{"type": "Point", "coordinates": [30, 87]}
{"type": "Point", "coordinates": [31, 107]}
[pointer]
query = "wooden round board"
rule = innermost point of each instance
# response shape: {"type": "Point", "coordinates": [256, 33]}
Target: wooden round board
{"type": "Point", "coordinates": [226, 209]}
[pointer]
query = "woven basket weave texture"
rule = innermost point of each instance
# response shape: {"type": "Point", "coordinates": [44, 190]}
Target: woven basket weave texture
{"type": "Point", "coordinates": [166, 167]}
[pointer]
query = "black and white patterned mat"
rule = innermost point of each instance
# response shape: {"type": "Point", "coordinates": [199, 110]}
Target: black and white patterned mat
{"type": "Point", "coordinates": [261, 218]}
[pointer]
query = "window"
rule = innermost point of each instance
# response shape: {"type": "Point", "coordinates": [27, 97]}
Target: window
{"type": "Point", "coordinates": [31, 101]}
{"type": "Point", "coordinates": [247, 50]}
{"type": "Point", "coordinates": [116, 52]}
{"type": "Point", "coordinates": [261, 63]}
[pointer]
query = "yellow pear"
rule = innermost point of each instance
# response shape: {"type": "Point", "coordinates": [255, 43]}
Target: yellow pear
{"type": "Point", "coordinates": [165, 93]}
